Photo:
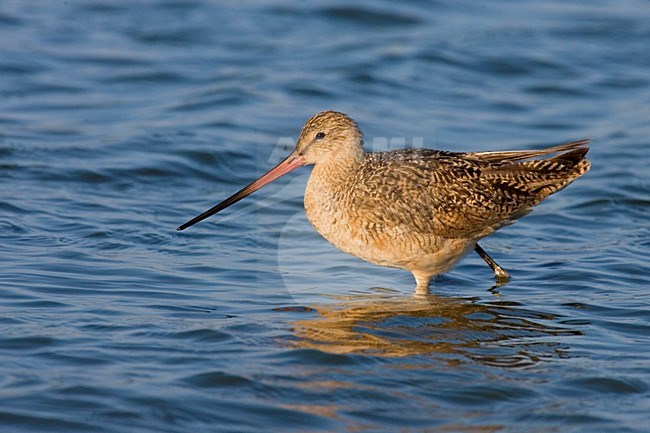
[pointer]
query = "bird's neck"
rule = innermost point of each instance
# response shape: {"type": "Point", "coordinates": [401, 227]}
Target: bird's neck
{"type": "Point", "coordinates": [341, 166]}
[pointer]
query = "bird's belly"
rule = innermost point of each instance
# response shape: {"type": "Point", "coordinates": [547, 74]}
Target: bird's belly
{"type": "Point", "coordinates": [384, 245]}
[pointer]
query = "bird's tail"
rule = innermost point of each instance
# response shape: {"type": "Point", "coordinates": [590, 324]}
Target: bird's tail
{"type": "Point", "coordinates": [519, 155]}
{"type": "Point", "coordinates": [519, 173]}
{"type": "Point", "coordinates": [557, 172]}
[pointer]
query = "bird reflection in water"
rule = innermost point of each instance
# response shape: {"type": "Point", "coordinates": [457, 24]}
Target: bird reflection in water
{"type": "Point", "coordinates": [496, 333]}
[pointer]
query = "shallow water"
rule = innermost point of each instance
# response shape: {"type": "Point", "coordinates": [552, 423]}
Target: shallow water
{"type": "Point", "coordinates": [121, 120]}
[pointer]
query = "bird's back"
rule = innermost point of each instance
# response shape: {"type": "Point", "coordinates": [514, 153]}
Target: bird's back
{"type": "Point", "coordinates": [461, 195]}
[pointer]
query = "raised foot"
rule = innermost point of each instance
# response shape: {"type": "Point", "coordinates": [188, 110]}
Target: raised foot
{"type": "Point", "coordinates": [501, 276]}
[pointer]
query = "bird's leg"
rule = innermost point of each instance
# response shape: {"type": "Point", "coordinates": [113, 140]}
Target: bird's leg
{"type": "Point", "coordinates": [421, 283]}
{"type": "Point", "coordinates": [500, 274]}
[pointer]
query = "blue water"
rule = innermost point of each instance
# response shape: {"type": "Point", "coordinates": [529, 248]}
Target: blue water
{"type": "Point", "coordinates": [121, 120]}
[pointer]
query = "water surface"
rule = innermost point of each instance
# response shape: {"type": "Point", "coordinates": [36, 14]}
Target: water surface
{"type": "Point", "coordinates": [121, 120]}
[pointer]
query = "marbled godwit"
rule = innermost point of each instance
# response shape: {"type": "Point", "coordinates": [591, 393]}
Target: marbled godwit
{"type": "Point", "coordinates": [415, 209]}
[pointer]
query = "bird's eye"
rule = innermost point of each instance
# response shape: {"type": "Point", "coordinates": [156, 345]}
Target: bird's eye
{"type": "Point", "coordinates": [320, 136]}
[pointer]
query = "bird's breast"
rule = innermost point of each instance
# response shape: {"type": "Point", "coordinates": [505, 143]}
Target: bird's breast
{"type": "Point", "coordinates": [332, 208]}
{"type": "Point", "coordinates": [327, 206]}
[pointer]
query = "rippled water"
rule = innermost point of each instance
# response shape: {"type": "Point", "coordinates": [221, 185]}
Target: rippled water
{"type": "Point", "coordinates": [120, 120]}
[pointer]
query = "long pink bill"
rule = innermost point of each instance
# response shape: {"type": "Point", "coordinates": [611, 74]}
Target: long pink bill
{"type": "Point", "coordinates": [290, 163]}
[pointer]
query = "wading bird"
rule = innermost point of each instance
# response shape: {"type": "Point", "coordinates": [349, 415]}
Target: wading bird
{"type": "Point", "coordinates": [416, 209]}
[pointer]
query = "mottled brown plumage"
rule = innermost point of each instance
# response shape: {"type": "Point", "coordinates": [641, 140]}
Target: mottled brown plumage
{"type": "Point", "coordinates": [416, 209]}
